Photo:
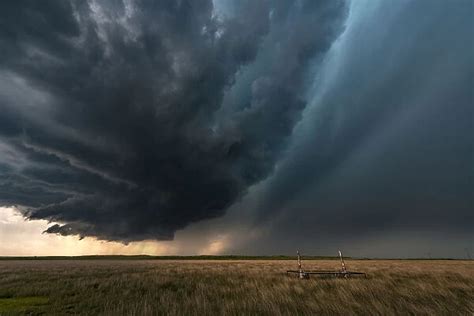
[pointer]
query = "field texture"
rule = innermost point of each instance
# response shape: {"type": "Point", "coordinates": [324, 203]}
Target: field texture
{"type": "Point", "coordinates": [254, 287]}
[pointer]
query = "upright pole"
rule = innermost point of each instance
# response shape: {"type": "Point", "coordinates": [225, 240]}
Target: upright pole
{"type": "Point", "coordinates": [343, 265]}
{"type": "Point", "coordinates": [299, 260]}
{"type": "Point", "coordinates": [301, 274]}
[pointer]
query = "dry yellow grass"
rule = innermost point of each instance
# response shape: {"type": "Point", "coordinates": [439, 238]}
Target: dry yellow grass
{"type": "Point", "coordinates": [255, 287]}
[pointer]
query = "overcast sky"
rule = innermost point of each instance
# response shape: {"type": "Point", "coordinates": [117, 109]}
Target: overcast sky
{"type": "Point", "coordinates": [235, 126]}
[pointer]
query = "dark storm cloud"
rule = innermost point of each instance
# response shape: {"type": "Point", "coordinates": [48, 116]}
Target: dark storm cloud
{"type": "Point", "coordinates": [387, 147]}
{"type": "Point", "coordinates": [114, 120]}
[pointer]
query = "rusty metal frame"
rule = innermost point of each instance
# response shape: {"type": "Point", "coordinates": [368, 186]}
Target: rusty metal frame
{"type": "Point", "coordinates": [304, 274]}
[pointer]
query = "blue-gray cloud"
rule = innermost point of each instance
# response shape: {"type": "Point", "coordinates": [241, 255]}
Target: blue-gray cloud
{"type": "Point", "coordinates": [387, 145]}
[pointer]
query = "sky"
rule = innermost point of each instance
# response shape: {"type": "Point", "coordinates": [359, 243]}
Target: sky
{"type": "Point", "coordinates": [183, 127]}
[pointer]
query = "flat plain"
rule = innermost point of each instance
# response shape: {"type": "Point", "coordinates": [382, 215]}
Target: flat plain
{"type": "Point", "coordinates": [234, 287]}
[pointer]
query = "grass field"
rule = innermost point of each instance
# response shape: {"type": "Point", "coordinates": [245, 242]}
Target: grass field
{"type": "Point", "coordinates": [233, 287]}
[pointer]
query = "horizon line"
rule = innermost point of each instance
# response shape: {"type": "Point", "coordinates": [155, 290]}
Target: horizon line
{"type": "Point", "coordinates": [214, 257]}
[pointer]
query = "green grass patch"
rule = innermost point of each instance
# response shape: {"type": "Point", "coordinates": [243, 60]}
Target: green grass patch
{"type": "Point", "coordinates": [22, 304]}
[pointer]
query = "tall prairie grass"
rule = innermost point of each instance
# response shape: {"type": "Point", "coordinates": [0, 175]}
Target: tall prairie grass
{"type": "Point", "coordinates": [257, 287]}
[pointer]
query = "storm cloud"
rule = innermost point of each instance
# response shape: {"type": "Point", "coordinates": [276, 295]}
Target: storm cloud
{"type": "Point", "coordinates": [382, 161]}
{"type": "Point", "coordinates": [129, 120]}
